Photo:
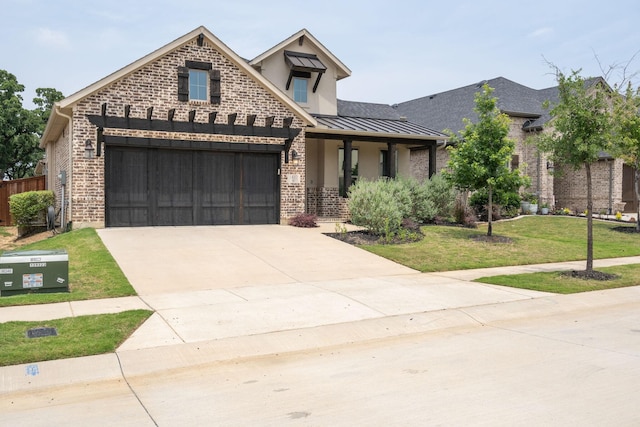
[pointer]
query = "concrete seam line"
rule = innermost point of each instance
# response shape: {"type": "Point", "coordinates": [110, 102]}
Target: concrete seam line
{"type": "Point", "coordinates": [124, 377]}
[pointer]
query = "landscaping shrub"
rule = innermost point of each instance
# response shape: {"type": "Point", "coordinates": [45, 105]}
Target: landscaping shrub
{"type": "Point", "coordinates": [463, 213]}
{"type": "Point", "coordinates": [304, 220]}
{"type": "Point", "coordinates": [404, 192]}
{"type": "Point", "coordinates": [505, 203]}
{"type": "Point", "coordinates": [419, 207]}
{"type": "Point", "coordinates": [382, 205]}
{"type": "Point", "coordinates": [30, 208]}
{"type": "Point", "coordinates": [442, 195]}
{"type": "Point", "coordinates": [373, 205]}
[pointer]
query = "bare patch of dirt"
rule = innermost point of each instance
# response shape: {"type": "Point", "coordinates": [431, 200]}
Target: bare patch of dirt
{"type": "Point", "coordinates": [491, 239]}
{"type": "Point", "coordinates": [11, 240]}
{"type": "Point", "coordinates": [590, 275]}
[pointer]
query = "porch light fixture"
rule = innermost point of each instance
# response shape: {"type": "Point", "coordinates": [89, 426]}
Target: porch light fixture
{"type": "Point", "coordinates": [295, 157]}
{"type": "Point", "coordinates": [88, 149]}
{"type": "Point", "coordinates": [550, 166]}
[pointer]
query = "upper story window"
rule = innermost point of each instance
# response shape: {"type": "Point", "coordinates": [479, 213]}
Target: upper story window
{"type": "Point", "coordinates": [198, 85]}
{"type": "Point", "coordinates": [300, 90]}
{"type": "Point", "coordinates": [198, 81]}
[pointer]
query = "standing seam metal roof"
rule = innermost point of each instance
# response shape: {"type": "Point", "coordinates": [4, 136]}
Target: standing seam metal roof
{"type": "Point", "coordinates": [383, 126]}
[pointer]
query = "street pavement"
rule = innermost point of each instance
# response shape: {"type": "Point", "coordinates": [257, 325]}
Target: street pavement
{"type": "Point", "coordinates": [272, 325]}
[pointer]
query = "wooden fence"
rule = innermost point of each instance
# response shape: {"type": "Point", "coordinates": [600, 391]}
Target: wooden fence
{"type": "Point", "coordinates": [7, 188]}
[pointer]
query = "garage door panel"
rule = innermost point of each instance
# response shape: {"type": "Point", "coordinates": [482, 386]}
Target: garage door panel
{"type": "Point", "coordinates": [173, 187]}
{"type": "Point", "coordinates": [126, 171]}
{"type": "Point", "coordinates": [217, 189]}
{"type": "Point", "coordinates": [260, 185]}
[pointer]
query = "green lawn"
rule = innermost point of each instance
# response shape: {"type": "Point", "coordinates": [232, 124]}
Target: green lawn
{"type": "Point", "coordinates": [77, 336]}
{"type": "Point", "coordinates": [628, 275]}
{"type": "Point", "coordinates": [534, 240]}
{"type": "Point", "coordinates": [93, 273]}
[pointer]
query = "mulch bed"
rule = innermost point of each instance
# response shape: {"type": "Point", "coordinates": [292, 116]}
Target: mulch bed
{"type": "Point", "coordinates": [362, 237]}
{"type": "Point", "coordinates": [623, 229]}
{"type": "Point", "coordinates": [491, 239]}
{"type": "Point", "coordinates": [592, 275]}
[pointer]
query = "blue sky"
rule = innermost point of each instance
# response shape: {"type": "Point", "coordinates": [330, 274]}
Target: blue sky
{"type": "Point", "coordinates": [397, 50]}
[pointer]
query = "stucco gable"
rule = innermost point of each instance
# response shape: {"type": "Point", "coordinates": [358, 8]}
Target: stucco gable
{"type": "Point", "coordinates": [307, 38]}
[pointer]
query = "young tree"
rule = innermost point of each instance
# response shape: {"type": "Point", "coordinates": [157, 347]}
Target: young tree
{"type": "Point", "coordinates": [626, 143]}
{"type": "Point", "coordinates": [20, 129]}
{"type": "Point", "coordinates": [582, 125]}
{"type": "Point", "coordinates": [479, 158]}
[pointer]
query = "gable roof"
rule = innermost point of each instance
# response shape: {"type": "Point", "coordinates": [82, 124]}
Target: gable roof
{"type": "Point", "coordinates": [342, 70]}
{"type": "Point", "coordinates": [54, 126]}
{"type": "Point", "coordinates": [446, 110]}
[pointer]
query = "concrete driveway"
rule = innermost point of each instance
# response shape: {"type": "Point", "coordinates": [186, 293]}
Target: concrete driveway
{"type": "Point", "coordinates": [160, 260]}
{"type": "Point", "coordinates": [212, 283]}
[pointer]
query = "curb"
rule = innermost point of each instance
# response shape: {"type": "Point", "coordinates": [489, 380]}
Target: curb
{"type": "Point", "coordinates": [127, 364]}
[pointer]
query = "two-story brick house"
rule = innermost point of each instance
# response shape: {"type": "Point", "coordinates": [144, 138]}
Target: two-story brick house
{"type": "Point", "coordinates": [193, 134]}
{"type": "Point", "coordinates": [613, 181]}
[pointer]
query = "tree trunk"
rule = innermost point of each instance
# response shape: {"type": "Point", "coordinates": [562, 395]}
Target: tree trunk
{"type": "Point", "coordinates": [490, 212]}
{"type": "Point", "coordinates": [587, 167]}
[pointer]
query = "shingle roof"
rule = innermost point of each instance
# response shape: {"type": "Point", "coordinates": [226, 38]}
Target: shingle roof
{"type": "Point", "coordinates": [367, 110]}
{"type": "Point", "coordinates": [446, 110]}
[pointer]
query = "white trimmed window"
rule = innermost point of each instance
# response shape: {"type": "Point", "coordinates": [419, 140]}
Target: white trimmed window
{"type": "Point", "coordinates": [300, 90]}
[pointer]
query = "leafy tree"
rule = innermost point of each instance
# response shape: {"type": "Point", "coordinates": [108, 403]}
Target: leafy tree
{"type": "Point", "coordinates": [20, 128]}
{"type": "Point", "coordinates": [479, 158]}
{"type": "Point", "coordinates": [44, 100]}
{"type": "Point", "coordinates": [582, 125]}
{"type": "Point", "coordinates": [626, 143]}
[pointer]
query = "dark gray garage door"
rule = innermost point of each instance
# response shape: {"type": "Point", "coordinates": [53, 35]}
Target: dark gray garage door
{"type": "Point", "coordinates": [151, 186]}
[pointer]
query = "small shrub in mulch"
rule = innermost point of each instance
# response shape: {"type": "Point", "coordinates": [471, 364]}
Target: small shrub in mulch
{"type": "Point", "coordinates": [304, 220]}
{"type": "Point", "coordinates": [590, 275]}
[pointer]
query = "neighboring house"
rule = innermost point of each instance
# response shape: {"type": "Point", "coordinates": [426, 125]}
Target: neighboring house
{"type": "Point", "coordinates": [613, 185]}
{"type": "Point", "coordinates": [193, 134]}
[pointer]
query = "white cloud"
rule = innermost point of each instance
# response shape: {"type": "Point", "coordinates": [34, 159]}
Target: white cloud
{"type": "Point", "coordinates": [52, 39]}
{"type": "Point", "coordinates": [540, 32]}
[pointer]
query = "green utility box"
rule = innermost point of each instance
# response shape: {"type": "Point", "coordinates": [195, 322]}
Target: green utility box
{"type": "Point", "coordinates": [23, 272]}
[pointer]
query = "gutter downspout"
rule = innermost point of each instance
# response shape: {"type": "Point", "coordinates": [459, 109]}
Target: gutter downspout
{"type": "Point", "coordinates": [63, 223]}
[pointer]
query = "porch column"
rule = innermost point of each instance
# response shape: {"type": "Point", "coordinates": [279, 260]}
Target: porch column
{"type": "Point", "coordinates": [346, 168]}
{"type": "Point", "coordinates": [391, 150]}
{"type": "Point", "coordinates": [432, 160]}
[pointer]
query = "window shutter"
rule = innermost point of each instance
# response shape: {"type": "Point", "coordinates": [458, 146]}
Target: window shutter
{"type": "Point", "coordinates": [183, 84]}
{"type": "Point", "coordinates": [214, 86]}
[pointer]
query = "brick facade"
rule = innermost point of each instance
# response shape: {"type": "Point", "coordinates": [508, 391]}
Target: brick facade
{"type": "Point", "coordinates": [564, 189]}
{"type": "Point", "coordinates": [327, 203]}
{"type": "Point", "coordinates": [606, 176]}
{"type": "Point", "coordinates": [419, 163]}
{"type": "Point", "coordinates": [155, 85]}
